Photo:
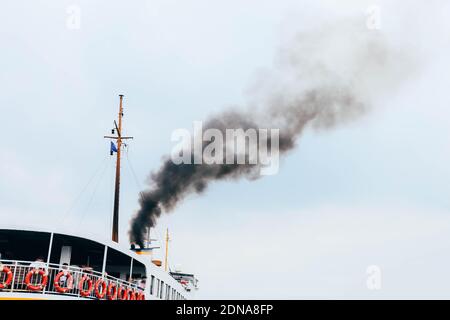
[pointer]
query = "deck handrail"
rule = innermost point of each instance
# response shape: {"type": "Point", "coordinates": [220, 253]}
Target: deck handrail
{"type": "Point", "coordinates": [21, 268]}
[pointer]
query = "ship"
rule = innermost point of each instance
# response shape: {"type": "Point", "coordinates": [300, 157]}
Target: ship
{"type": "Point", "coordinates": [56, 264]}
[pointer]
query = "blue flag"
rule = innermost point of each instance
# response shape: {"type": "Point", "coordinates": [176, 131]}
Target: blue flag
{"type": "Point", "coordinates": [113, 148]}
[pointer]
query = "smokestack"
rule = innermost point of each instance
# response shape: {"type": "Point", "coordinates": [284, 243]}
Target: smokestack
{"type": "Point", "coordinates": [321, 80]}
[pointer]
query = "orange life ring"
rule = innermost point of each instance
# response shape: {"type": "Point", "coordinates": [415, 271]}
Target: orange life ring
{"type": "Point", "coordinates": [123, 293]}
{"type": "Point", "coordinates": [102, 283]}
{"type": "Point", "coordinates": [112, 291]}
{"type": "Point", "coordinates": [9, 276]}
{"type": "Point", "coordinates": [131, 294]}
{"type": "Point", "coordinates": [69, 279]}
{"type": "Point", "coordinates": [85, 293]}
{"type": "Point", "coordinates": [39, 286]}
{"type": "Point", "coordinates": [140, 296]}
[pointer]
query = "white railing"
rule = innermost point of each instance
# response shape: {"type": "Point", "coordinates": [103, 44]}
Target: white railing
{"type": "Point", "coordinates": [70, 284]}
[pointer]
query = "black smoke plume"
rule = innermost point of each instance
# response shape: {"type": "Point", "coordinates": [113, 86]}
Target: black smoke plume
{"type": "Point", "coordinates": [320, 80]}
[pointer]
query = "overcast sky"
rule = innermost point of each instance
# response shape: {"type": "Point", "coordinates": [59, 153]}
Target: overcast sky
{"type": "Point", "coordinates": [371, 193]}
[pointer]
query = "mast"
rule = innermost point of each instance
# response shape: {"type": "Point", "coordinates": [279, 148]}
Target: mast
{"type": "Point", "coordinates": [118, 138]}
{"type": "Point", "coordinates": [167, 250]}
{"type": "Point", "coordinates": [115, 229]}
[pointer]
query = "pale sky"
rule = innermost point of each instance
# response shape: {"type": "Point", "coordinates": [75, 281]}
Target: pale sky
{"type": "Point", "coordinates": [373, 192]}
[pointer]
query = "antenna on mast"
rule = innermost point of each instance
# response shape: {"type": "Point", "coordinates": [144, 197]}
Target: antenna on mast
{"type": "Point", "coordinates": [118, 137]}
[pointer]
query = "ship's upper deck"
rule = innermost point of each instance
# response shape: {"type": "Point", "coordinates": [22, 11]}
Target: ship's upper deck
{"type": "Point", "coordinates": [25, 251]}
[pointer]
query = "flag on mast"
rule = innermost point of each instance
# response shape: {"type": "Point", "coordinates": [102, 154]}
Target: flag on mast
{"type": "Point", "coordinates": [113, 148]}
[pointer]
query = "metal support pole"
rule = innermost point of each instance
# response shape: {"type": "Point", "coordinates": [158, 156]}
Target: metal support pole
{"type": "Point", "coordinates": [105, 255]}
{"type": "Point", "coordinates": [48, 257]}
{"type": "Point", "coordinates": [49, 249]}
{"type": "Point", "coordinates": [131, 269]}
